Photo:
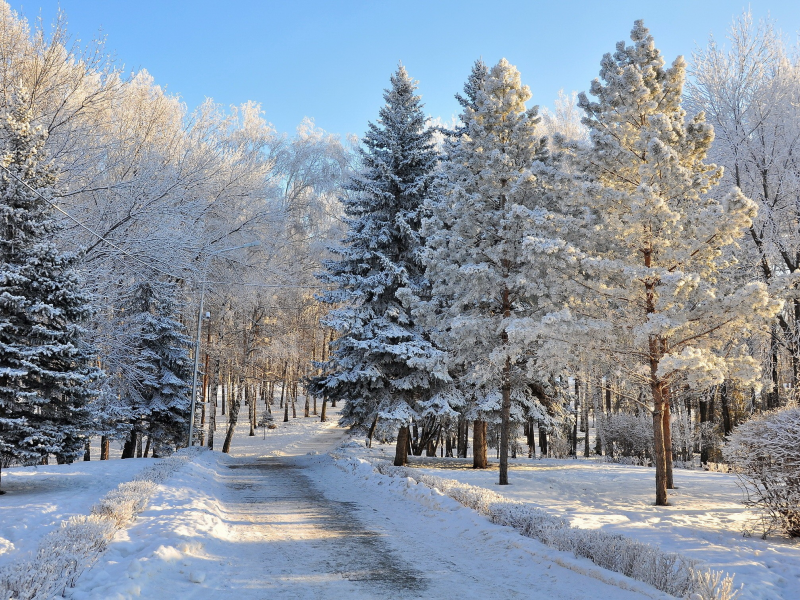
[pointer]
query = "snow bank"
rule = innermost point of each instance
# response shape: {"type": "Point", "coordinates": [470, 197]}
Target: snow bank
{"type": "Point", "coordinates": [65, 553]}
{"type": "Point", "coordinates": [671, 573]}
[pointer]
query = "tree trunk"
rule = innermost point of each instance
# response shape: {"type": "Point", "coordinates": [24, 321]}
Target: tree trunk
{"type": "Point", "coordinates": [251, 407]}
{"type": "Point", "coordinates": [727, 425]}
{"type": "Point", "coordinates": [323, 414]}
{"type": "Point", "coordinates": [479, 458]}
{"type": "Point", "coordinates": [105, 447]}
{"type": "Point", "coordinates": [505, 422]}
{"type": "Point", "coordinates": [147, 447]}
{"type": "Point", "coordinates": [401, 449]}
{"type": "Point", "coordinates": [667, 426]}
{"type": "Point", "coordinates": [129, 449]}
{"type": "Point", "coordinates": [543, 440]}
{"type": "Point", "coordinates": [87, 453]}
{"type": "Point", "coordinates": [659, 457]}
{"type": "Point", "coordinates": [139, 445]}
{"type": "Point", "coordinates": [371, 430]}
{"type": "Point", "coordinates": [234, 405]}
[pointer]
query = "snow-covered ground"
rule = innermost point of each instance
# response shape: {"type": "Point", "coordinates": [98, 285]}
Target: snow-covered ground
{"type": "Point", "coordinates": [280, 518]}
{"type": "Point", "coordinates": [291, 524]}
{"type": "Point", "coordinates": [39, 498]}
{"type": "Point", "coordinates": [704, 521]}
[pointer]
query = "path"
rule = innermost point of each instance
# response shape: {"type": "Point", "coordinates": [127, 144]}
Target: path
{"type": "Point", "coordinates": [298, 527]}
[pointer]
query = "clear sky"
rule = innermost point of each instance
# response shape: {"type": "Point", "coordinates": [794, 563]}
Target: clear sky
{"type": "Point", "coordinates": [331, 59]}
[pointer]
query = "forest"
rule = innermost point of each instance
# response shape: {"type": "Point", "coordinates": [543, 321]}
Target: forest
{"type": "Point", "coordinates": [614, 277]}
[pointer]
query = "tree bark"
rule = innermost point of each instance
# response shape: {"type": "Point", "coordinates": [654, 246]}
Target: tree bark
{"type": "Point", "coordinates": [251, 407]}
{"type": "Point", "coordinates": [233, 416]}
{"type": "Point", "coordinates": [401, 449]}
{"type": "Point", "coordinates": [87, 453]}
{"type": "Point", "coordinates": [129, 449]}
{"type": "Point", "coordinates": [667, 426]}
{"type": "Point", "coordinates": [105, 447]}
{"type": "Point", "coordinates": [323, 414]}
{"type": "Point", "coordinates": [371, 430]}
{"type": "Point", "coordinates": [479, 458]}
{"type": "Point", "coordinates": [147, 447]}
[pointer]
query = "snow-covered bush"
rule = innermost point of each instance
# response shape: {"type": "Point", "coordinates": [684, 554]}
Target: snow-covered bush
{"type": "Point", "coordinates": [672, 573]}
{"type": "Point", "coordinates": [765, 455]}
{"type": "Point", "coordinates": [632, 435]}
{"type": "Point", "coordinates": [75, 546]}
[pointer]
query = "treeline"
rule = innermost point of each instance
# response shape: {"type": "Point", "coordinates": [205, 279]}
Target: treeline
{"type": "Point", "coordinates": [148, 206]}
{"type": "Point", "coordinates": [631, 259]}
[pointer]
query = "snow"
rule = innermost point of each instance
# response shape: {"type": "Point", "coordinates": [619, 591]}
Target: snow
{"type": "Point", "coordinates": [705, 519]}
{"type": "Point", "coordinates": [39, 498]}
{"type": "Point", "coordinates": [293, 525]}
{"type": "Point", "coordinates": [281, 517]}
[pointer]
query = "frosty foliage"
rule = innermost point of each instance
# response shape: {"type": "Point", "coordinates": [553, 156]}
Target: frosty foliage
{"type": "Point", "coordinates": [631, 434]}
{"type": "Point", "coordinates": [383, 362]}
{"type": "Point", "coordinates": [46, 375]}
{"type": "Point", "coordinates": [161, 398]}
{"type": "Point", "coordinates": [75, 546]}
{"type": "Point", "coordinates": [765, 456]}
{"type": "Point", "coordinates": [493, 176]}
{"type": "Point", "coordinates": [672, 573]}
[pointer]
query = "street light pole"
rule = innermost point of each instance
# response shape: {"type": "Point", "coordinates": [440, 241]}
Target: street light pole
{"type": "Point", "coordinates": [209, 256]}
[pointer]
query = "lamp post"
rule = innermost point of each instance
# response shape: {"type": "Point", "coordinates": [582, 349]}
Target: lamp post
{"type": "Point", "coordinates": [209, 256]}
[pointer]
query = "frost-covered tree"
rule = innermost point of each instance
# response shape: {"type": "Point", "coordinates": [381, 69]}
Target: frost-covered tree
{"type": "Point", "coordinates": [382, 363]}
{"type": "Point", "coordinates": [655, 244]}
{"type": "Point", "coordinates": [46, 378]}
{"type": "Point", "coordinates": [163, 360]}
{"type": "Point", "coordinates": [750, 92]}
{"type": "Point", "coordinates": [474, 237]}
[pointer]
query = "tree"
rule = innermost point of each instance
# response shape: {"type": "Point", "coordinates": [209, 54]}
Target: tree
{"type": "Point", "coordinates": [655, 243]}
{"type": "Point", "coordinates": [46, 378]}
{"type": "Point", "coordinates": [750, 93]}
{"type": "Point", "coordinates": [163, 359]}
{"type": "Point", "coordinates": [475, 234]}
{"type": "Point", "coordinates": [382, 363]}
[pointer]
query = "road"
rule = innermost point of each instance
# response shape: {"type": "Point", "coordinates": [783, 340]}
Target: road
{"type": "Point", "coordinates": [296, 526]}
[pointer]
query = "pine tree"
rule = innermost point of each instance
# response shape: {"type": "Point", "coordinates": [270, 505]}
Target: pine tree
{"type": "Point", "coordinates": [46, 377]}
{"type": "Point", "coordinates": [382, 363]}
{"type": "Point", "coordinates": [475, 233]}
{"type": "Point", "coordinates": [655, 241]}
{"type": "Point", "coordinates": [164, 361]}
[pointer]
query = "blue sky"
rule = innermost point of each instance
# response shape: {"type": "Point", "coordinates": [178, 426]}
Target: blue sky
{"type": "Point", "coordinates": [330, 60]}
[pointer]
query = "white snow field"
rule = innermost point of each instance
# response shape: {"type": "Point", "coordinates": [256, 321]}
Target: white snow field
{"type": "Point", "coordinates": [704, 521]}
{"type": "Point", "coordinates": [38, 499]}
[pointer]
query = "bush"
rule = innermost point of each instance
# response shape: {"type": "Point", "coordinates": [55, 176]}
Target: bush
{"type": "Point", "coordinates": [765, 455]}
{"type": "Point", "coordinates": [672, 573]}
{"type": "Point", "coordinates": [75, 546]}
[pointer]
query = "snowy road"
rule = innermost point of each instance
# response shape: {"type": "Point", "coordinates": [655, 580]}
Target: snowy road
{"type": "Point", "coordinates": [299, 527]}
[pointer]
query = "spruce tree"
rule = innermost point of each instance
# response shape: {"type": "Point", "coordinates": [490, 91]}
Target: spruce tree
{"type": "Point", "coordinates": [165, 394]}
{"type": "Point", "coordinates": [382, 363]}
{"type": "Point", "coordinates": [46, 375]}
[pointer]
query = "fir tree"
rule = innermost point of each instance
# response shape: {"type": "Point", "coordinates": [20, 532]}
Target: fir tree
{"type": "Point", "coordinates": [164, 361]}
{"type": "Point", "coordinates": [46, 378]}
{"type": "Point", "coordinates": [382, 363]}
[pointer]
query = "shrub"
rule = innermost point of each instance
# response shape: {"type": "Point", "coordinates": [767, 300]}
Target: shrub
{"type": "Point", "coordinates": [765, 455]}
